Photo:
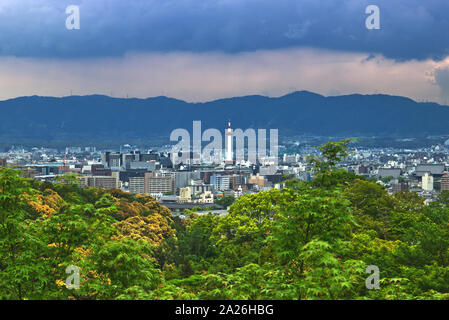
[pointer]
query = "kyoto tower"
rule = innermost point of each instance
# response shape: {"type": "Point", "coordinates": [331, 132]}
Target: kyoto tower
{"type": "Point", "coordinates": [229, 133]}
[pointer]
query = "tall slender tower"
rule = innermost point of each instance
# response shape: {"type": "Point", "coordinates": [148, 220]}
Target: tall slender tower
{"type": "Point", "coordinates": [229, 133]}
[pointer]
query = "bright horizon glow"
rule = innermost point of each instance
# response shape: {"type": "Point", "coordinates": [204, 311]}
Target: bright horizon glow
{"type": "Point", "coordinates": [201, 77]}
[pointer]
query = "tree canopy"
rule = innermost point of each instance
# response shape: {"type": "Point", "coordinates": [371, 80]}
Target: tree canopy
{"type": "Point", "coordinates": [309, 240]}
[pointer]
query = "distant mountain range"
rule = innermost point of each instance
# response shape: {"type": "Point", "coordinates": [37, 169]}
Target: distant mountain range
{"type": "Point", "coordinates": [96, 117]}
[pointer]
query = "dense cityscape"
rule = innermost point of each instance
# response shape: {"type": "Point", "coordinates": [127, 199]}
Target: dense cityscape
{"type": "Point", "coordinates": [224, 158]}
{"type": "Point", "coordinates": [201, 186]}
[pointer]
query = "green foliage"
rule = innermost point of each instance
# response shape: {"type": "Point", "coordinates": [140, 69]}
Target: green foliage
{"type": "Point", "coordinates": [116, 266]}
{"type": "Point", "coordinates": [387, 179]}
{"type": "Point", "coordinates": [68, 178]}
{"type": "Point", "coordinates": [195, 242]}
{"type": "Point", "coordinates": [225, 201]}
{"type": "Point", "coordinates": [64, 230]}
{"type": "Point", "coordinates": [20, 275]}
{"type": "Point", "coordinates": [240, 236]}
{"type": "Point", "coordinates": [324, 165]}
{"type": "Point", "coordinates": [326, 276]}
{"type": "Point", "coordinates": [310, 240]}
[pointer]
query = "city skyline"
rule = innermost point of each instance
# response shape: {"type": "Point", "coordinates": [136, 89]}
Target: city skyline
{"type": "Point", "coordinates": [236, 152]}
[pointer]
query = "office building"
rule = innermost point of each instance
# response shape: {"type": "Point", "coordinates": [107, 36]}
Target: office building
{"type": "Point", "coordinates": [400, 186]}
{"type": "Point", "coordinates": [258, 180]}
{"type": "Point", "coordinates": [111, 160]}
{"type": "Point", "coordinates": [198, 189]}
{"type": "Point", "coordinates": [100, 170]}
{"type": "Point", "coordinates": [137, 185]}
{"type": "Point", "coordinates": [159, 183]}
{"type": "Point", "coordinates": [184, 178]}
{"type": "Point", "coordinates": [220, 182]}
{"type": "Point", "coordinates": [111, 182]}
{"type": "Point", "coordinates": [445, 182]}
{"type": "Point", "coordinates": [427, 182]}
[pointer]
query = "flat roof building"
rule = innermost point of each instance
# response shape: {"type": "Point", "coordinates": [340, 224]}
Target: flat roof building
{"type": "Point", "coordinates": [106, 182]}
{"type": "Point", "coordinates": [137, 185]}
{"type": "Point", "coordinates": [164, 184]}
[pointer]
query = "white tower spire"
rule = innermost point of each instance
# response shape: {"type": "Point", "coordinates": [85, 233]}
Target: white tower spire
{"type": "Point", "coordinates": [229, 133]}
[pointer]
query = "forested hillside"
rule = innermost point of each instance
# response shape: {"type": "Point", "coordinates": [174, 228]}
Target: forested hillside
{"type": "Point", "coordinates": [100, 118]}
{"type": "Point", "coordinates": [311, 240]}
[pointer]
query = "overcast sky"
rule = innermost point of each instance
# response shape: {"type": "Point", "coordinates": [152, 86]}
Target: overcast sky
{"type": "Point", "coordinates": [199, 50]}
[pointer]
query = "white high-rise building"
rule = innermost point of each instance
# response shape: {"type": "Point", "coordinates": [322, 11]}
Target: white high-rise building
{"type": "Point", "coordinates": [427, 182]}
{"type": "Point", "coordinates": [229, 133]}
{"type": "Point", "coordinates": [220, 182]}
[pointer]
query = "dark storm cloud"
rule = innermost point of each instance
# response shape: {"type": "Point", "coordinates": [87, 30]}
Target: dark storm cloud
{"type": "Point", "coordinates": [442, 80]}
{"type": "Point", "coordinates": [410, 29]}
